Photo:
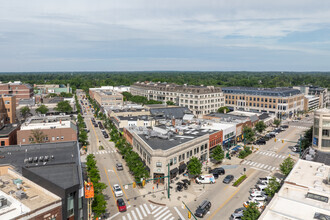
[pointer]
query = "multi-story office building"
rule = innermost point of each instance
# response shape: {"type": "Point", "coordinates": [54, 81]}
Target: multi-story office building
{"type": "Point", "coordinates": [54, 129]}
{"type": "Point", "coordinates": [108, 98]}
{"type": "Point", "coordinates": [321, 130]}
{"type": "Point", "coordinates": [7, 109]}
{"type": "Point", "coordinates": [317, 91]}
{"type": "Point", "coordinates": [311, 102]}
{"type": "Point", "coordinates": [280, 101]}
{"type": "Point", "coordinates": [199, 99]}
{"type": "Point", "coordinates": [20, 90]}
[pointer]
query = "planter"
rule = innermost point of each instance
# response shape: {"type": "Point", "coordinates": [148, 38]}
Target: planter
{"type": "Point", "coordinates": [239, 181]}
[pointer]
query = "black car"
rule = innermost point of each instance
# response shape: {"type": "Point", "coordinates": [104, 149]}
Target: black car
{"type": "Point", "coordinates": [219, 171]}
{"type": "Point", "coordinates": [95, 125]}
{"type": "Point", "coordinates": [228, 179]}
{"type": "Point", "coordinates": [106, 136]}
{"type": "Point", "coordinates": [203, 208]}
{"type": "Point", "coordinates": [260, 141]}
{"type": "Point", "coordinates": [266, 137]}
{"type": "Point", "coordinates": [284, 126]}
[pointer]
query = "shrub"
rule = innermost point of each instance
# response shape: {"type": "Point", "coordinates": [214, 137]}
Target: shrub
{"type": "Point", "coordinates": [240, 180]}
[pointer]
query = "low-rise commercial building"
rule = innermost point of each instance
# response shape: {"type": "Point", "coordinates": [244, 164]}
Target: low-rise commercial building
{"type": "Point", "coordinates": [125, 111]}
{"type": "Point", "coordinates": [305, 194]}
{"type": "Point", "coordinates": [52, 88]}
{"type": "Point", "coordinates": [199, 99]}
{"type": "Point", "coordinates": [311, 102]}
{"type": "Point", "coordinates": [317, 91]}
{"type": "Point", "coordinates": [139, 121]}
{"type": "Point", "coordinates": [118, 89]}
{"type": "Point", "coordinates": [54, 129]}
{"type": "Point", "coordinates": [8, 134]}
{"type": "Point", "coordinates": [169, 145]}
{"type": "Point", "coordinates": [56, 167]}
{"type": "Point", "coordinates": [284, 102]}
{"type": "Point", "coordinates": [23, 199]}
{"type": "Point", "coordinates": [7, 109]}
{"type": "Point", "coordinates": [321, 130]}
{"type": "Point", "coordinates": [17, 88]}
{"type": "Point", "coordinates": [108, 98]}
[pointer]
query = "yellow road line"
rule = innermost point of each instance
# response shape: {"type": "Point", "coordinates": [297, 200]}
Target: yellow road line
{"type": "Point", "coordinates": [223, 204]}
{"type": "Point", "coordinates": [121, 185]}
{"type": "Point", "coordinates": [114, 197]}
{"type": "Point", "coordinates": [279, 150]}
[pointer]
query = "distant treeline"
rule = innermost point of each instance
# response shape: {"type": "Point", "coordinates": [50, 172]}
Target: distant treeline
{"type": "Point", "coordinates": [85, 80]}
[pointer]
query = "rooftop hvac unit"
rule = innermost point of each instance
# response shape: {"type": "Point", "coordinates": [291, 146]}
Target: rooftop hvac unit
{"type": "Point", "coordinates": [21, 195]}
{"type": "Point", "coordinates": [3, 201]}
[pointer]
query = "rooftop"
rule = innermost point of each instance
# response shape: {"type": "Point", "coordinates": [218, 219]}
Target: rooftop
{"type": "Point", "coordinates": [134, 118]}
{"type": "Point", "coordinates": [46, 125]}
{"type": "Point", "coordinates": [305, 189]}
{"type": "Point", "coordinates": [21, 194]}
{"type": "Point", "coordinates": [165, 138]}
{"type": "Point", "coordinates": [7, 129]}
{"type": "Point", "coordinates": [170, 112]}
{"type": "Point", "coordinates": [61, 167]}
{"type": "Point", "coordinates": [277, 92]}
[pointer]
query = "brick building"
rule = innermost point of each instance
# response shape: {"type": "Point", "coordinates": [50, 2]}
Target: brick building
{"type": "Point", "coordinates": [7, 109]}
{"type": "Point", "coordinates": [55, 129]}
{"type": "Point", "coordinates": [20, 90]}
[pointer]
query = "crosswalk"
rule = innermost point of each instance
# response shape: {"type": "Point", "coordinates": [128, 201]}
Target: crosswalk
{"type": "Point", "coordinates": [271, 154]}
{"type": "Point", "coordinates": [148, 211]}
{"type": "Point", "coordinates": [103, 152]}
{"type": "Point", "coordinates": [259, 165]}
{"type": "Point", "coordinates": [300, 127]}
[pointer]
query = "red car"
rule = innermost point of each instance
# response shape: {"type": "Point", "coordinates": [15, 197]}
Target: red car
{"type": "Point", "coordinates": [121, 205]}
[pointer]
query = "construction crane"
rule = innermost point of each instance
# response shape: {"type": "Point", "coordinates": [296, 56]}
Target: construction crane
{"type": "Point", "coordinates": [89, 195]}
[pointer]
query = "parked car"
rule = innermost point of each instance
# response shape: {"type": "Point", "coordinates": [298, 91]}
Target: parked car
{"type": "Point", "coordinates": [121, 205]}
{"type": "Point", "coordinates": [205, 179]}
{"type": "Point", "coordinates": [258, 198]}
{"type": "Point", "coordinates": [106, 136]}
{"type": "Point", "coordinates": [119, 166]}
{"type": "Point", "coordinates": [203, 208]}
{"type": "Point", "coordinates": [117, 190]}
{"type": "Point", "coordinates": [266, 137]}
{"type": "Point", "coordinates": [259, 204]}
{"type": "Point", "coordinates": [260, 141]}
{"type": "Point", "coordinates": [228, 179]}
{"type": "Point", "coordinates": [238, 213]}
{"type": "Point", "coordinates": [219, 171]}
{"type": "Point", "coordinates": [284, 126]}
{"type": "Point", "coordinates": [257, 193]}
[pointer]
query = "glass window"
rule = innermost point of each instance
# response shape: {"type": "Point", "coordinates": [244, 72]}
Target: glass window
{"type": "Point", "coordinates": [70, 204]}
{"type": "Point", "coordinates": [62, 137]}
{"type": "Point", "coordinates": [171, 162]}
{"type": "Point", "coordinates": [158, 164]}
{"type": "Point", "coordinates": [180, 158]}
{"type": "Point", "coordinates": [188, 154]}
{"type": "Point", "coordinates": [325, 133]}
{"type": "Point", "coordinates": [191, 153]}
{"type": "Point", "coordinates": [195, 151]}
{"type": "Point", "coordinates": [23, 140]}
{"type": "Point", "coordinates": [175, 160]}
{"type": "Point", "coordinates": [326, 123]}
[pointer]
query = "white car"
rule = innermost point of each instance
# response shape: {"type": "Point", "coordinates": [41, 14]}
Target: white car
{"type": "Point", "coordinates": [257, 193]}
{"type": "Point", "coordinates": [258, 198]}
{"type": "Point", "coordinates": [117, 190]}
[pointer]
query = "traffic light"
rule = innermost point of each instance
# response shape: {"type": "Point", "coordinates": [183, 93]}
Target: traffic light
{"type": "Point", "coordinates": [283, 141]}
{"type": "Point", "coordinates": [134, 184]}
{"type": "Point", "coordinates": [189, 215]}
{"type": "Point", "coordinates": [143, 182]}
{"type": "Point", "coordinates": [275, 139]}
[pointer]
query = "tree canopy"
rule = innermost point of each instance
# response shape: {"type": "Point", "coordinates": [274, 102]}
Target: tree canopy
{"type": "Point", "coordinates": [25, 111]}
{"type": "Point", "coordinates": [286, 166]}
{"type": "Point", "coordinates": [218, 154]}
{"type": "Point", "coordinates": [248, 134]}
{"type": "Point", "coordinates": [273, 187]}
{"type": "Point", "coordinates": [42, 109]}
{"type": "Point", "coordinates": [223, 109]}
{"type": "Point", "coordinates": [277, 122]}
{"type": "Point", "coordinates": [251, 213]}
{"type": "Point", "coordinates": [260, 126]}
{"type": "Point", "coordinates": [64, 106]}
{"type": "Point", "coordinates": [194, 166]}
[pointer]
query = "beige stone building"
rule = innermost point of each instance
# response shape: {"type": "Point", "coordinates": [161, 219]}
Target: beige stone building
{"type": "Point", "coordinates": [283, 102]}
{"type": "Point", "coordinates": [321, 130]}
{"type": "Point", "coordinates": [108, 98]}
{"type": "Point", "coordinates": [199, 99]}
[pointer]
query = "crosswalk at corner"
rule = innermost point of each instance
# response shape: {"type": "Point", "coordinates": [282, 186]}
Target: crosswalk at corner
{"type": "Point", "coordinates": [259, 166]}
{"type": "Point", "coordinates": [103, 152]}
{"type": "Point", "coordinates": [148, 211]}
{"type": "Point", "coordinates": [271, 154]}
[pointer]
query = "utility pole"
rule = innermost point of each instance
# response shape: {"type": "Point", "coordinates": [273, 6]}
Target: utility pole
{"type": "Point", "coordinates": [300, 147]}
{"type": "Point", "coordinates": [189, 209]}
{"type": "Point", "coordinates": [168, 181]}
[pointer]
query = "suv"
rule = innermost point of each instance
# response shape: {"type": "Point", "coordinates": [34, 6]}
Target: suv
{"type": "Point", "coordinates": [217, 171]}
{"type": "Point", "coordinates": [119, 166]}
{"type": "Point", "coordinates": [260, 141]}
{"type": "Point", "coordinates": [203, 208]}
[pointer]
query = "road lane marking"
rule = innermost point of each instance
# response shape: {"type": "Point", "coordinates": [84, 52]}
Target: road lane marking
{"type": "Point", "coordinates": [266, 167]}
{"type": "Point", "coordinates": [146, 207]}
{"type": "Point", "coordinates": [165, 213]}
{"type": "Point", "coordinates": [129, 216]}
{"type": "Point", "coordinates": [167, 217]}
{"type": "Point", "coordinates": [138, 212]}
{"type": "Point", "coordinates": [244, 162]}
{"type": "Point", "coordinates": [121, 185]}
{"type": "Point", "coordinates": [143, 212]}
{"type": "Point", "coordinates": [161, 211]}
{"type": "Point", "coordinates": [179, 213]}
{"type": "Point", "coordinates": [115, 216]}
{"type": "Point", "coordinates": [154, 211]}
{"type": "Point", "coordinates": [273, 168]}
{"type": "Point", "coordinates": [262, 166]}
{"type": "Point", "coordinates": [133, 214]}
{"type": "Point", "coordinates": [110, 186]}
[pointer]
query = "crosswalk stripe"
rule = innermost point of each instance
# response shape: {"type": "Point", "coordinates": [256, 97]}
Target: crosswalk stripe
{"type": "Point", "coordinates": [146, 207]}
{"type": "Point", "coordinates": [138, 212]}
{"type": "Point", "coordinates": [179, 213]}
{"type": "Point", "coordinates": [244, 162]}
{"type": "Point", "coordinates": [143, 212]}
{"type": "Point", "coordinates": [258, 152]}
{"type": "Point", "coordinates": [161, 216]}
{"type": "Point", "coordinates": [262, 166]}
{"type": "Point", "coordinates": [277, 155]}
{"type": "Point", "coordinates": [253, 163]}
{"type": "Point", "coordinates": [166, 217]}
{"type": "Point", "coordinates": [266, 166]}
{"type": "Point", "coordinates": [283, 157]}
{"type": "Point", "coordinates": [152, 207]}
{"type": "Point", "coordinates": [173, 218]}
{"type": "Point", "coordinates": [154, 211]}
{"type": "Point", "coordinates": [124, 218]}
{"type": "Point", "coordinates": [273, 155]}
{"type": "Point", "coordinates": [133, 214]}
{"type": "Point", "coordinates": [273, 168]}
{"type": "Point", "coordinates": [160, 212]}
{"type": "Point", "coordinates": [267, 154]}
{"type": "Point", "coordinates": [269, 168]}
{"type": "Point", "coordinates": [259, 165]}
{"type": "Point", "coordinates": [129, 216]}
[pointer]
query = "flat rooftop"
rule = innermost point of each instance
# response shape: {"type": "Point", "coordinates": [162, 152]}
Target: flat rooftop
{"type": "Point", "coordinates": [35, 196]}
{"type": "Point", "coordinates": [279, 92]}
{"type": "Point", "coordinates": [7, 129]}
{"type": "Point", "coordinates": [160, 139]}
{"type": "Point", "coordinates": [46, 125]}
{"type": "Point", "coordinates": [134, 118]}
{"type": "Point", "coordinates": [306, 190]}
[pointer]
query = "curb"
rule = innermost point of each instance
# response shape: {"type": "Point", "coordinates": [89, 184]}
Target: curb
{"type": "Point", "coordinates": [156, 203]}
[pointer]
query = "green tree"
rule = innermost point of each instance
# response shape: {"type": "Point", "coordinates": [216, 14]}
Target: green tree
{"type": "Point", "coordinates": [277, 122]}
{"type": "Point", "coordinates": [248, 134]}
{"type": "Point", "coordinates": [38, 136]}
{"type": "Point", "coordinates": [170, 103]}
{"type": "Point", "coordinates": [223, 109]}
{"type": "Point", "coordinates": [260, 126]}
{"type": "Point", "coordinates": [194, 166]}
{"type": "Point", "coordinates": [25, 111]}
{"type": "Point", "coordinates": [251, 213]}
{"type": "Point", "coordinates": [307, 140]}
{"type": "Point", "coordinates": [273, 187]}
{"type": "Point", "coordinates": [218, 154]}
{"type": "Point", "coordinates": [42, 109]}
{"type": "Point", "coordinates": [66, 95]}
{"type": "Point", "coordinates": [64, 106]}
{"type": "Point", "coordinates": [286, 166]}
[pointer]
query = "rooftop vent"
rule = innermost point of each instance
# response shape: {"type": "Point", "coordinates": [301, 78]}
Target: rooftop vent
{"type": "Point", "coordinates": [3, 201]}
{"type": "Point", "coordinates": [20, 194]}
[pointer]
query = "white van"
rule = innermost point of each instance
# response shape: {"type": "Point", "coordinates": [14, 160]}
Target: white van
{"type": "Point", "coordinates": [261, 187]}
{"type": "Point", "coordinates": [205, 179]}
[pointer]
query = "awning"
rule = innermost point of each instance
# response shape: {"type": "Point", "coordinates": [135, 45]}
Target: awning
{"type": "Point", "coordinates": [182, 168]}
{"type": "Point", "coordinates": [173, 171]}
{"type": "Point", "coordinates": [236, 148]}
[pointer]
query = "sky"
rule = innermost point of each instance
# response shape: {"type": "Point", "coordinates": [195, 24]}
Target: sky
{"type": "Point", "coordinates": [146, 35]}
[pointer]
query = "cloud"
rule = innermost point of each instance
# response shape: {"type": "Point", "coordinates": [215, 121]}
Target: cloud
{"type": "Point", "coordinates": [79, 30]}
